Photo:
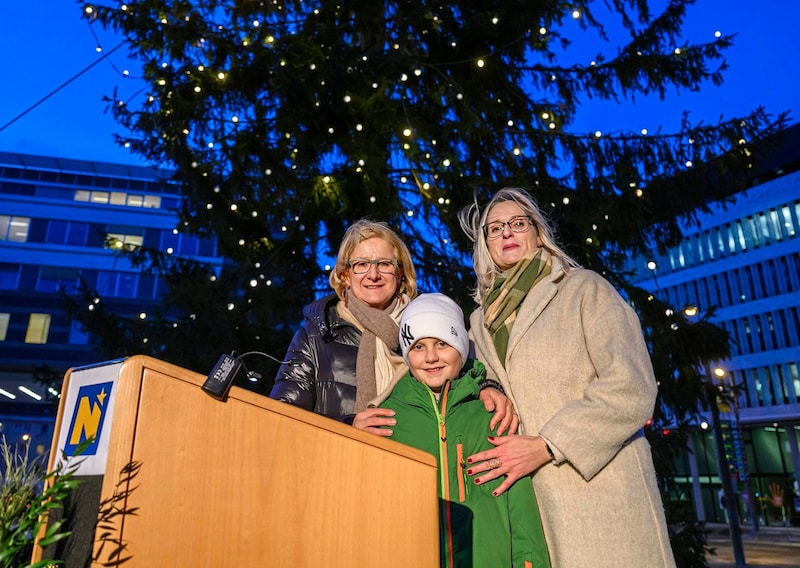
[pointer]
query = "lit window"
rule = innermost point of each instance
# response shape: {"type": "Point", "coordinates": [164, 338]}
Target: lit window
{"type": "Point", "coordinates": [4, 319]}
{"type": "Point", "coordinates": [14, 229]}
{"type": "Point", "coordinates": [99, 197]}
{"type": "Point", "coordinates": [119, 239]}
{"type": "Point", "coordinates": [124, 235]}
{"type": "Point", "coordinates": [38, 328]}
{"type": "Point", "coordinates": [135, 200]}
{"type": "Point", "coordinates": [118, 198]}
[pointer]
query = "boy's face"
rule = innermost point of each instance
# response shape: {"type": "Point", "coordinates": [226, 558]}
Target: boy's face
{"type": "Point", "coordinates": [433, 361]}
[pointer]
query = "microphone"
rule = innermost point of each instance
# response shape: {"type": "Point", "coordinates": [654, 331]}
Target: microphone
{"type": "Point", "coordinates": [221, 377]}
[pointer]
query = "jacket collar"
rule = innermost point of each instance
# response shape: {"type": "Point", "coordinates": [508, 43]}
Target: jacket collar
{"type": "Point", "coordinates": [323, 315]}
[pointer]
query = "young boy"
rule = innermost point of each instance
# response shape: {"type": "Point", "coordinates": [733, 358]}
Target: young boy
{"type": "Point", "coordinates": [438, 410]}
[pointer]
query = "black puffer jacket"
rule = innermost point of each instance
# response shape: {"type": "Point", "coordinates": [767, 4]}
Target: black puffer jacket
{"type": "Point", "coordinates": [322, 373]}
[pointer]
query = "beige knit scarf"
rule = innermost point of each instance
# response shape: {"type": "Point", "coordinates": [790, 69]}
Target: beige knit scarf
{"type": "Point", "coordinates": [377, 359]}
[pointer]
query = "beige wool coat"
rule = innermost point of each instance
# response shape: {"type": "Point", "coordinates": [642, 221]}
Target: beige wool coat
{"type": "Point", "coordinates": [579, 374]}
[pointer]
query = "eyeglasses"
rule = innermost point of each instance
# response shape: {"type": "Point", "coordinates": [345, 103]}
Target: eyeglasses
{"type": "Point", "coordinates": [362, 265]}
{"type": "Point", "coordinates": [520, 224]}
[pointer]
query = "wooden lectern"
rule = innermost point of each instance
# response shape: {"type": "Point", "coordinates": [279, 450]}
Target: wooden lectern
{"type": "Point", "coordinates": [188, 480]}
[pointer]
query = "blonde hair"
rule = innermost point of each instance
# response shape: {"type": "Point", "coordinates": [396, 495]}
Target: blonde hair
{"type": "Point", "coordinates": [360, 231]}
{"type": "Point", "coordinates": [472, 220]}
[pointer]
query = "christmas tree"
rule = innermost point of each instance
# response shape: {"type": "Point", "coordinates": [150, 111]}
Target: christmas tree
{"type": "Point", "coordinates": [283, 121]}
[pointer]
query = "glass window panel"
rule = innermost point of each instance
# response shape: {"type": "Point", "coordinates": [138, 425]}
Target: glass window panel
{"type": "Point", "coordinates": [135, 240]}
{"type": "Point", "coordinates": [18, 231]}
{"type": "Point", "coordinates": [134, 200]}
{"type": "Point", "coordinates": [56, 232]}
{"type": "Point", "coordinates": [127, 285]}
{"type": "Point", "coordinates": [106, 283]}
{"type": "Point", "coordinates": [189, 245]}
{"type": "Point", "coordinates": [52, 279]}
{"type": "Point", "coordinates": [9, 276]}
{"type": "Point", "coordinates": [207, 247]}
{"type": "Point", "coordinates": [76, 334]}
{"type": "Point", "coordinates": [78, 234]}
{"type": "Point", "coordinates": [82, 195]}
{"type": "Point", "coordinates": [169, 241]}
{"type": "Point", "coordinates": [740, 237]}
{"type": "Point", "coordinates": [774, 226]}
{"type": "Point", "coordinates": [100, 197]}
{"type": "Point", "coordinates": [152, 201]}
{"type": "Point", "coordinates": [117, 198]}
{"type": "Point", "coordinates": [4, 319]}
{"type": "Point", "coordinates": [788, 227]}
{"type": "Point", "coordinates": [38, 328]}
{"type": "Point", "coordinates": [14, 229]}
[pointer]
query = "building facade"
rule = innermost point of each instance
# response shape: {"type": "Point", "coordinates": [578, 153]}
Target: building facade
{"type": "Point", "coordinates": [743, 260]}
{"type": "Point", "coordinates": [61, 222]}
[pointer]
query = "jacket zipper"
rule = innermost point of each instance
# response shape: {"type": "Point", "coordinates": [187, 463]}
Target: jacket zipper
{"type": "Point", "coordinates": [444, 468]}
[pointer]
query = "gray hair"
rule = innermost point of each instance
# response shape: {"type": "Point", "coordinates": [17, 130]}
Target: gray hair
{"type": "Point", "coordinates": [472, 220]}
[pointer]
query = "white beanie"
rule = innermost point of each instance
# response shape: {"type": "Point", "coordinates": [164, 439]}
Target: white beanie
{"type": "Point", "coordinates": [433, 315]}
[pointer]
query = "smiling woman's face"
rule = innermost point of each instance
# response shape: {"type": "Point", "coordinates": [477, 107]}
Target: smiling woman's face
{"type": "Point", "coordinates": [510, 247]}
{"type": "Point", "coordinates": [376, 289]}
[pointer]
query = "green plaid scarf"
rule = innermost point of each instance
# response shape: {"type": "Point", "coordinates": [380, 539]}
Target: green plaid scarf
{"type": "Point", "coordinates": [502, 303]}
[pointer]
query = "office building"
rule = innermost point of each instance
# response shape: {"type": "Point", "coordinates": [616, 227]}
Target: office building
{"type": "Point", "coordinates": [61, 223]}
{"type": "Point", "coordinates": [744, 260]}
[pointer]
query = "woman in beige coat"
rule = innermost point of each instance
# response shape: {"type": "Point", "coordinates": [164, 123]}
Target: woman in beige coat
{"type": "Point", "coordinates": [570, 354]}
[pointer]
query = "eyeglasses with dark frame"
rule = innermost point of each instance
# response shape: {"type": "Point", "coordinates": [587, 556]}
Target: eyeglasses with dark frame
{"type": "Point", "coordinates": [362, 265]}
{"type": "Point", "coordinates": [518, 224]}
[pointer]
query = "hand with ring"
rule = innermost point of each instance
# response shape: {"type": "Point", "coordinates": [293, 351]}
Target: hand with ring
{"type": "Point", "coordinates": [513, 456]}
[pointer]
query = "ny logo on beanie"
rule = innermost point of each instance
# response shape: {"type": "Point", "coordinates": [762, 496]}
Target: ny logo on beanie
{"type": "Point", "coordinates": [406, 337]}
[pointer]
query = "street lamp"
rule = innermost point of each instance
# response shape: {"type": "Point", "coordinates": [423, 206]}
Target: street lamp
{"type": "Point", "coordinates": [713, 391]}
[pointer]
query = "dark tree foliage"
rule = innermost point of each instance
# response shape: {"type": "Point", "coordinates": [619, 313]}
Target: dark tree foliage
{"type": "Point", "coordinates": [285, 120]}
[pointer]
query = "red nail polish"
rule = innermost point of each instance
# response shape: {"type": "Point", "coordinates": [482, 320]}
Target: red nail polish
{"type": "Point", "coordinates": [491, 438]}
{"type": "Point", "coordinates": [469, 472]}
{"type": "Point", "coordinates": [477, 481]}
{"type": "Point", "coordinates": [469, 460]}
{"type": "Point", "coordinates": [494, 493]}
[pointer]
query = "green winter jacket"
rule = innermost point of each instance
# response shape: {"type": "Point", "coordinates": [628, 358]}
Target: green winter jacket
{"type": "Point", "coordinates": [477, 529]}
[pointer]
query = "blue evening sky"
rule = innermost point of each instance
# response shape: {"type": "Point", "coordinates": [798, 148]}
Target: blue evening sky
{"type": "Point", "coordinates": [45, 44]}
